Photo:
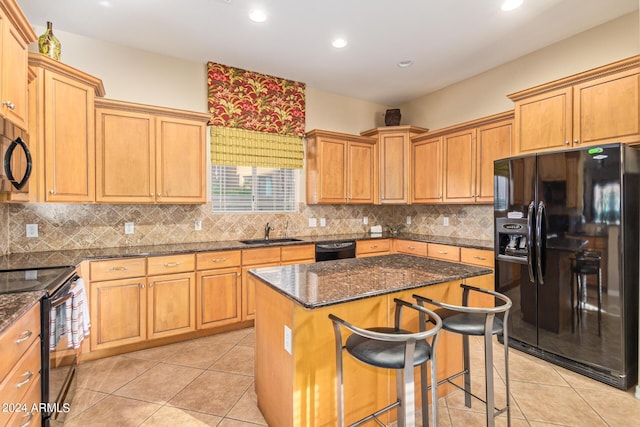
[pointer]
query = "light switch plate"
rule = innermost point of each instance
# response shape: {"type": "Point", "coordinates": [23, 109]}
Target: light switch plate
{"type": "Point", "coordinates": [445, 221]}
{"type": "Point", "coordinates": [408, 220]}
{"type": "Point", "coordinates": [323, 222]}
{"type": "Point", "coordinates": [32, 230]}
{"type": "Point", "coordinates": [365, 220]}
{"type": "Point", "coordinates": [313, 222]}
{"type": "Point", "coordinates": [129, 228]}
{"type": "Point", "coordinates": [198, 224]}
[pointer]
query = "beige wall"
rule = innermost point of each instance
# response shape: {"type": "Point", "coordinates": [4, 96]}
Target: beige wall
{"type": "Point", "coordinates": [485, 94]}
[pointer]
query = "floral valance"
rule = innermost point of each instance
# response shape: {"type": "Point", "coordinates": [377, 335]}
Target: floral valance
{"type": "Point", "coordinates": [257, 102]}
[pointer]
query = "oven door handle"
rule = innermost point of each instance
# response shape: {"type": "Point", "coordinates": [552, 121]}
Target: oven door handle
{"type": "Point", "coordinates": [61, 300]}
{"type": "Point", "coordinates": [7, 163]}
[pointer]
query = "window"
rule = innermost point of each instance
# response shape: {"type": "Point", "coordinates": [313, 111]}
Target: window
{"type": "Point", "coordinates": [253, 189]}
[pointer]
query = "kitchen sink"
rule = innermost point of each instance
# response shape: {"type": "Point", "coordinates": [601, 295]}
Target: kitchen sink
{"type": "Point", "coordinates": [268, 242]}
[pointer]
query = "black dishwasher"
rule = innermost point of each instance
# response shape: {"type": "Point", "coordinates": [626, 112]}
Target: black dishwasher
{"type": "Point", "coordinates": [338, 250]}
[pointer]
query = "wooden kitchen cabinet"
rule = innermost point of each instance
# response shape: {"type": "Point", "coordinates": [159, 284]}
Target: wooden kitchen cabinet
{"type": "Point", "coordinates": [255, 258]}
{"type": "Point", "coordinates": [171, 304]}
{"type": "Point", "coordinates": [15, 36]}
{"type": "Point", "coordinates": [341, 168]}
{"type": "Point", "coordinates": [410, 247]}
{"type": "Point", "coordinates": [218, 295]}
{"type": "Point", "coordinates": [394, 164]}
{"type": "Point", "coordinates": [297, 254]}
{"type": "Point", "coordinates": [595, 107]}
{"type": "Point", "coordinates": [455, 164]}
{"type": "Point", "coordinates": [373, 247]}
{"type": "Point", "coordinates": [62, 131]}
{"type": "Point", "coordinates": [148, 154]}
{"type": "Point", "coordinates": [444, 252]}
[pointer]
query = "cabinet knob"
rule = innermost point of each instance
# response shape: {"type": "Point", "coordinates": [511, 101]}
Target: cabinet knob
{"type": "Point", "coordinates": [151, 285]}
{"type": "Point", "coordinates": [52, 191]}
{"type": "Point", "coordinates": [159, 194]}
{"type": "Point", "coordinates": [10, 105]}
{"type": "Point", "coordinates": [151, 194]}
{"type": "Point", "coordinates": [566, 142]}
{"type": "Point", "coordinates": [576, 141]}
{"type": "Point", "coordinates": [141, 286]}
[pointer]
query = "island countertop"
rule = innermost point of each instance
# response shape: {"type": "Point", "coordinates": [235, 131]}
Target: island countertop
{"type": "Point", "coordinates": [335, 282]}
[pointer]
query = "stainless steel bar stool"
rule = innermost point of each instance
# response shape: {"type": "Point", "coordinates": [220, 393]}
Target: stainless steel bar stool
{"type": "Point", "coordinates": [478, 321]}
{"type": "Point", "coordinates": [585, 263]}
{"type": "Point", "coordinates": [392, 348]}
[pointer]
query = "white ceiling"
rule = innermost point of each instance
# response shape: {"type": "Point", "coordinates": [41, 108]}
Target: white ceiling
{"type": "Point", "coordinates": [448, 40]}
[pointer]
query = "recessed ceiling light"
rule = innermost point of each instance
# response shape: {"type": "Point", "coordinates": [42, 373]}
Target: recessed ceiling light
{"type": "Point", "coordinates": [339, 43]}
{"type": "Point", "coordinates": [105, 3]}
{"type": "Point", "coordinates": [257, 15]}
{"type": "Point", "coordinates": [405, 64]}
{"type": "Point", "coordinates": [508, 5]}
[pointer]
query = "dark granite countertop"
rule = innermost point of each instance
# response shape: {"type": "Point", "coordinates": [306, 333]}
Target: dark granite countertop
{"type": "Point", "coordinates": [335, 282]}
{"type": "Point", "coordinates": [74, 257]}
{"type": "Point", "coordinates": [13, 306]}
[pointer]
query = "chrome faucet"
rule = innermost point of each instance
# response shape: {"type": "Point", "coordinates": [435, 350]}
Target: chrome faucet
{"type": "Point", "coordinates": [267, 229]}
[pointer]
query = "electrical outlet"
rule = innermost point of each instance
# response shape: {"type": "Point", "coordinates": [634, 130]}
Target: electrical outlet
{"type": "Point", "coordinates": [32, 230]}
{"type": "Point", "coordinates": [408, 220]}
{"type": "Point", "coordinates": [445, 221]}
{"type": "Point", "coordinates": [313, 222]}
{"type": "Point", "coordinates": [287, 339]}
{"type": "Point", "coordinates": [31, 275]}
{"type": "Point", "coordinates": [323, 222]}
{"type": "Point", "coordinates": [198, 224]}
{"type": "Point", "coordinates": [129, 228]}
{"type": "Point", "coordinates": [365, 220]}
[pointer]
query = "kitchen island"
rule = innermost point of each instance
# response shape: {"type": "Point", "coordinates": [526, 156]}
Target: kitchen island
{"type": "Point", "coordinates": [294, 356]}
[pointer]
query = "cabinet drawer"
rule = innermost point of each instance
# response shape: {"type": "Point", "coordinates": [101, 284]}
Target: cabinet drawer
{"type": "Point", "coordinates": [446, 252]}
{"type": "Point", "coordinates": [298, 252]}
{"type": "Point", "coordinates": [15, 341]}
{"type": "Point", "coordinates": [410, 247]}
{"type": "Point", "coordinates": [171, 264]}
{"type": "Point", "coordinates": [117, 269]}
{"type": "Point", "coordinates": [260, 255]}
{"type": "Point", "coordinates": [25, 372]}
{"type": "Point", "coordinates": [31, 398]}
{"type": "Point", "coordinates": [222, 259]}
{"type": "Point", "coordinates": [476, 257]}
{"type": "Point", "coordinates": [373, 247]}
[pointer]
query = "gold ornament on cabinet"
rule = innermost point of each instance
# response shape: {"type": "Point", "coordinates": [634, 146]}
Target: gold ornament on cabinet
{"type": "Point", "coordinates": [48, 43]}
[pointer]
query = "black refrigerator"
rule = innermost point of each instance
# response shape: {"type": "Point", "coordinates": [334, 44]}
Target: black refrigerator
{"type": "Point", "coordinates": [567, 254]}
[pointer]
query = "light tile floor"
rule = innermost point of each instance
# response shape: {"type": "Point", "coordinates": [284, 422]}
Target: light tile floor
{"type": "Point", "coordinates": [209, 382]}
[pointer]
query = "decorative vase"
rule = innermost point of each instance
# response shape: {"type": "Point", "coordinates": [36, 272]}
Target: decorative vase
{"type": "Point", "coordinates": [48, 44]}
{"type": "Point", "coordinates": [392, 117]}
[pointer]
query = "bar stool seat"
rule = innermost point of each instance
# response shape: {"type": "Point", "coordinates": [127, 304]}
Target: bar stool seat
{"type": "Point", "coordinates": [392, 348]}
{"type": "Point", "coordinates": [477, 321]}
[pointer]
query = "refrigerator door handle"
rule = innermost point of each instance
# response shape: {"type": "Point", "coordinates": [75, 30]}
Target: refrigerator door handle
{"type": "Point", "coordinates": [539, 242]}
{"type": "Point", "coordinates": [532, 207]}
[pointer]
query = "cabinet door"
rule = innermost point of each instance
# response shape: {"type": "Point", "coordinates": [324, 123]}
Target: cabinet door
{"type": "Point", "coordinates": [69, 140]}
{"type": "Point", "coordinates": [125, 157]}
{"type": "Point", "coordinates": [426, 168]}
{"type": "Point", "coordinates": [171, 305]}
{"type": "Point", "coordinates": [360, 172]}
{"type": "Point", "coordinates": [218, 297]}
{"type": "Point", "coordinates": [249, 291]}
{"type": "Point", "coordinates": [180, 161]}
{"type": "Point", "coordinates": [394, 167]}
{"type": "Point", "coordinates": [607, 109]}
{"type": "Point", "coordinates": [13, 65]}
{"type": "Point", "coordinates": [543, 122]}
{"type": "Point", "coordinates": [459, 166]}
{"type": "Point", "coordinates": [494, 142]}
{"type": "Point", "coordinates": [332, 170]}
{"type": "Point", "coordinates": [118, 311]}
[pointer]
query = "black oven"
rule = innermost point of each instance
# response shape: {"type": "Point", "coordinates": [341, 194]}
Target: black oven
{"type": "Point", "coordinates": [59, 358]}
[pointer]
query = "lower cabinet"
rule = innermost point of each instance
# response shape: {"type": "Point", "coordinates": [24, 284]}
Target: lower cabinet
{"type": "Point", "coordinates": [171, 305]}
{"type": "Point", "coordinates": [374, 247]}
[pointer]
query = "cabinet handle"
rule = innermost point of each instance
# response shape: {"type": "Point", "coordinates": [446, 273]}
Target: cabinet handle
{"type": "Point", "coordinates": [443, 252]}
{"type": "Point", "coordinates": [24, 336]}
{"type": "Point", "coordinates": [27, 374]}
{"type": "Point", "coordinates": [30, 415]}
{"type": "Point", "coordinates": [411, 247]}
{"type": "Point", "coordinates": [112, 269]}
{"type": "Point", "coordinates": [171, 264]}
{"type": "Point", "coordinates": [10, 105]}
{"type": "Point", "coordinates": [374, 247]}
{"type": "Point", "coordinates": [481, 258]}
{"type": "Point", "coordinates": [218, 259]}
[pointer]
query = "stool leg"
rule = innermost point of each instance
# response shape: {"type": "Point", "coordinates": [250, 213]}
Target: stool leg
{"type": "Point", "coordinates": [599, 299]}
{"type": "Point", "coordinates": [505, 336]}
{"type": "Point", "coordinates": [339, 376]}
{"type": "Point", "coordinates": [488, 372]}
{"type": "Point", "coordinates": [573, 315]}
{"type": "Point", "coordinates": [434, 393]}
{"type": "Point", "coordinates": [467, 370]}
{"type": "Point", "coordinates": [406, 395]}
{"type": "Point", "coordinates": [425, 394]}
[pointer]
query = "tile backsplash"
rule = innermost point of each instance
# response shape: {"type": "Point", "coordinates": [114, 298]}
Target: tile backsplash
{"type": "Point", "coordinates": [77, 226]}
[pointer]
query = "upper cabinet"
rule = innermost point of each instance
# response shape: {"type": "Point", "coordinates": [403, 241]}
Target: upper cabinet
{"type": "Point", "coordinates": [341, 168]}
{"type": "Point", "coordinates": [61, 128]}
{"type": "Point", "coordinates": [394, 164]}
{"type": "Point", "coordinates": [595, 107]}
{"type": "Point", "coordinates": [148, 154]}
{"type": "Point", "coordinates": [455, 164]}
{"type": "Point", "coordinates": [15, 36]}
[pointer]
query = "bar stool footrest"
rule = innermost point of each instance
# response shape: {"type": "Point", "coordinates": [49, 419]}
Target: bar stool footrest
{"type": "Point", "coordinates": [374, 416]}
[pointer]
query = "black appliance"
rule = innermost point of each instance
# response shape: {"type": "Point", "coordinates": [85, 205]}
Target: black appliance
{"type": "Point", "coordinates": [15, 157]}
{"type": "Point", "coordinates": [336, 250]}
{"type": "Point", "coordinates": [58, 372]}
{"type": "Point", "coordinates": [551, 210]}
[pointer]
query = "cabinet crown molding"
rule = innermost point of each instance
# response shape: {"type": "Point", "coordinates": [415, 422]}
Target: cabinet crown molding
{"type": "Point", "coordinates": [413, 130]}
{"type": "Point", "coordinates": [507, 115]}
{"type": "Point", "coordinates": [39, 60]}
{"type": "Point", "coordinates": [614, 67]}
{"type": "Point", "coordinates": [17, 18]}
{"type": "Point", "coordinates": [151, 109]}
